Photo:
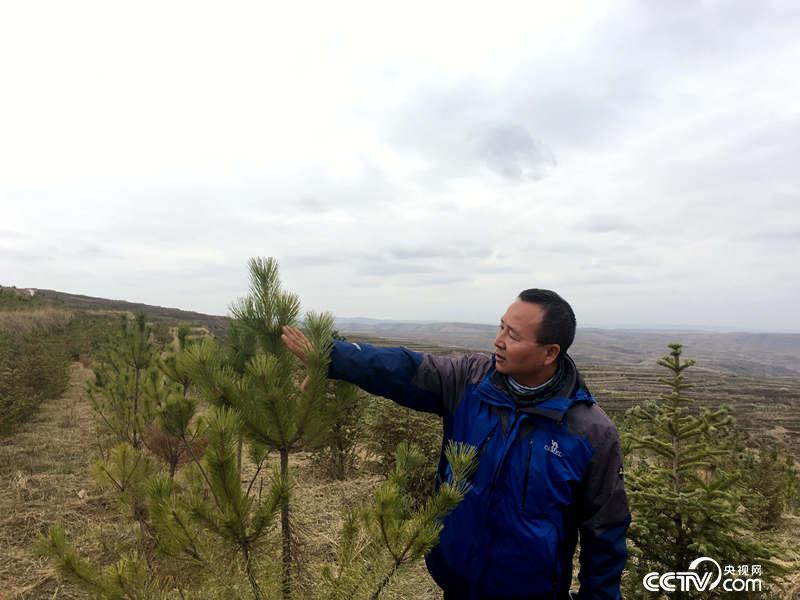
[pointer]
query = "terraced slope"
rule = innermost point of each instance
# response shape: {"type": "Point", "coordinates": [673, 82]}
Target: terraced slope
{"type": "Point", "coordinates": [768, 408]}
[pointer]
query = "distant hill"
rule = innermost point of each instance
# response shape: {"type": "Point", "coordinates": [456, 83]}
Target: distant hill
{"type": "Point", "coordinates": [752, 354]}
{"type": "Point", "coordinates": [756, 354]}
{"type": "Point", "coordinates": [217, 325]}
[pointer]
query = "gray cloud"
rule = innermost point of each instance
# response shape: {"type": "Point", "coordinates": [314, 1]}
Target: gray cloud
{"type": "Point", "coordinates": [24, 255]}
{"type": "Point", "coordinates": [501, 269]}
{"type": "Point", "coordinates": [441, 251]}
{"type": "Point", "coordinates": [94, 252]}
{"type": "Point", "coordinates": [778, 235]}
{"type": "Point", "coordinates": [607, 223]}
{"type": "Point", "coordinates": [323, 259]}
{"type": "Point", "coordinates": [605, 278]}
{"type": "Point", "coordinates": [310, 202]}
{"type": "Point", "coordinates": [403, 252]}
{"type": "Point", "coordinates": [592, 95]}
{"type": "Point", "coordinates": [438, 280]}
{"type": "Point", "coordinates": [380, 269]}
{"type": "Point", "coordinates": [511, 151]}
{"type": "Point", "coordinates": [322, 191]}
{"type": "Point", "coordinates": [12, 235]}
{"type": "Point", "coordinates": [458, 130]}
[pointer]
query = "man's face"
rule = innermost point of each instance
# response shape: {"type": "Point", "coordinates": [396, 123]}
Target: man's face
{"type": "Point", "coordinates": [517, 351]}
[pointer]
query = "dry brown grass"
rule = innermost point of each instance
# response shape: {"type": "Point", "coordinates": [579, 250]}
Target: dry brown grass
{"type": "Point", "coordinates": [23, 321]}
{"type": "Point", "coordinates": [319, 506]}
{"type": "Point", "coordinates": [44, 478]}
{"type": "Point", "coordinates": [786, 534]}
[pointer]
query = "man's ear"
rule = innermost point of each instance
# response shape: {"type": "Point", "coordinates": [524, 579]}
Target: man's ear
{"type": "Point", "coordinates": [553, 350]}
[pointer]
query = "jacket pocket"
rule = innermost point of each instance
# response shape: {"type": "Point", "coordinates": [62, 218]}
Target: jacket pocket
{"type": "Point", "coordinates": [462, 541]}
{"type": "Point", "coordinates": [524, 561]}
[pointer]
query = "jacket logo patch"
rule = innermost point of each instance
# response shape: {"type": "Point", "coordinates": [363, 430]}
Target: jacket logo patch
{"type": "Point", "coordinates": [552, 448]}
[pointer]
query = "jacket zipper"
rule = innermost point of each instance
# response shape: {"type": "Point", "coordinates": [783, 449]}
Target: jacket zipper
{"type": "Point", "coordinates": [481, 450]}
{"type": "Point", "coordinates": [485, 443]}
{"type": "Point", "coordinates": [527, 472]}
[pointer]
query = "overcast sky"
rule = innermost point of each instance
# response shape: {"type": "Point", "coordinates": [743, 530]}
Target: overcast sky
{"type": "Point", "coordinates": [409, 160]}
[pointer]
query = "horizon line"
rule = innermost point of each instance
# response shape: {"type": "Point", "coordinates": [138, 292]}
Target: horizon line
{"type": "Point", "coordinates": [684, 328]}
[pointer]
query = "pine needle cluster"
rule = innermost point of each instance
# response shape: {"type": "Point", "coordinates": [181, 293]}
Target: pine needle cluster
{"type": "Point", "coordinates": [399, 527]}
{"type": "Point", "coordinates": [127, 579]}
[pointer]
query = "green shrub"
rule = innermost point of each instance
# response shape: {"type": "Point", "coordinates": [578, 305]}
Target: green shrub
{"type": "Point", "coordinates": [86, 334]}
{"type": "Point", "coordinates": [337, 451]}
{"type": "Point", "coordinates": [34, 366]}
{"type": "Point", "coordinates": [769, 486]}
{"type": "Point", "coordinates": [388, 424]}
{"type": "Point", "coordinates": [15, 299]}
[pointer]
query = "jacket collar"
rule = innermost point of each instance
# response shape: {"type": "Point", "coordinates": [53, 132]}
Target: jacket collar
{"type": "Point", "coordinates": [571, 391]}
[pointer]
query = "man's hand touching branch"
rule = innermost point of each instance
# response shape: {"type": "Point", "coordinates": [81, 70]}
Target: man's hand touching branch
{"type": "Point", "coordinates": [298, 344]}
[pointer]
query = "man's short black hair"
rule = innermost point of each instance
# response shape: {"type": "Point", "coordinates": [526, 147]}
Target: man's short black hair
{"type": "Point", "coordinates": [558, 324]}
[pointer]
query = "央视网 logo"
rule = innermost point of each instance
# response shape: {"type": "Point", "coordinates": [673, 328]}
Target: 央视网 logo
{"type": "Point", "coordinates": [711, 578]}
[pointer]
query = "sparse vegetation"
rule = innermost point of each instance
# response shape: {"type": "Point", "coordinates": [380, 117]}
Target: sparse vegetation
{"type": "Point", "coordinates": [400, 526]}
{"type": "Point", "coordinates": [388, 424]}
{"type": "Point", "coordinates": [12, 298]}
{"type": "Point", "coordinates": [337, 450]}
{"type": "Point", "coordinates": [154, 515]}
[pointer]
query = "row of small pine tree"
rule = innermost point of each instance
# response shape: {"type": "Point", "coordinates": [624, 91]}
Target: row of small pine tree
{"type": "Point", "coordinates": [37, 346]}
{"type": "Point", "coordinates": [188, 435]}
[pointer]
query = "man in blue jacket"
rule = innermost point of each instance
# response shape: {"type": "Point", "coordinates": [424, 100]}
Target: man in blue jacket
{"type": "Point", "coordinates": [550, 468]}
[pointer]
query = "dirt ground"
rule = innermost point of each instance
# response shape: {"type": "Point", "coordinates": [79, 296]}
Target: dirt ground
{"type": "Point", "coordinates": [44, 477]}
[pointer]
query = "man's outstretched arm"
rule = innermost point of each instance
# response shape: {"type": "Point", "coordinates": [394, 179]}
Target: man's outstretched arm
{"type": "Point", "coordinates": [387, 372]}
{"type": "Point", "coordinates": [414, 379]}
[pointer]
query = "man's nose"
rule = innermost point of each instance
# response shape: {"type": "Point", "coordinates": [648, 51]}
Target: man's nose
{"type": "Point", "coordinates": [498, 340]}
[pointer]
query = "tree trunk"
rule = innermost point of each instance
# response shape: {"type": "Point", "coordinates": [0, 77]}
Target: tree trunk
{"type": "Point", "coordinates": [286, 584]}
{"type": "Point", "coordinates": [136, 443]}
{"type": "Point", "coordinates": [251, 575]}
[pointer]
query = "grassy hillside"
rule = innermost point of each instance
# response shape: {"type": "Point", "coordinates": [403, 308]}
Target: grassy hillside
{"type": "Point", "coordinates": [217, 325]}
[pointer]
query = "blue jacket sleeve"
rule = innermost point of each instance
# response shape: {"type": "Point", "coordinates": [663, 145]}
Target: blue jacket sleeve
{"type": "Point", "coordinates": [604, 524]}
{"type": "Point", "coordinates": [388, 372]}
